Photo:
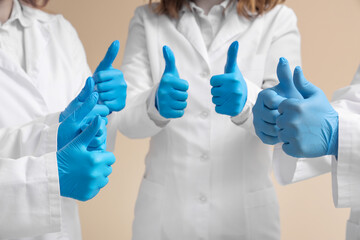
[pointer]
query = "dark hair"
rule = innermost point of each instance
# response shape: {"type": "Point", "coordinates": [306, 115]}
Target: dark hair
{"type": "Point", "coordinates": [245, 8]}
{"type": "Point", "coordinates": [37, 3]}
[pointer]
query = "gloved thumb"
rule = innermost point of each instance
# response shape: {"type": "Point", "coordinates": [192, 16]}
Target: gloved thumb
{"type": "Point", "coordinates": [110, 57]}
{"type": "Point", "coordinates": [170, 66]}
{"type": "Point", "coordinates": [85, 138]}
{"type": "Point", "coordinates": [306, 89]}
{"type": "Point", "coordinates": [87, 90]}
{"type": "Point", "coordinates": [81, 112]}
{"type": "Point", "coordinates": [231, 63]}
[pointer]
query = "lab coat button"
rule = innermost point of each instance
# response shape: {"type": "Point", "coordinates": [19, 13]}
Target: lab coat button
{"type": "Point", "coordinates": [203, 199]}
{"type": "Point", "coordinates": [205, 74]}
{"type": "Point", "coordinates": [204, 114]}
{"type": "Point", "coordinates": [204, 157]}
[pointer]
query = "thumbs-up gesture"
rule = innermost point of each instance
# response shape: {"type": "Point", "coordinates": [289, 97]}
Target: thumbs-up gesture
{"type": "Point", "coordinates": [229, 90]}
{"type": "Point", "coordinates": [308, 126]}
{"type": "Point", "coordinates": [82, 172]}
{"type": "Point", "coordinates": [110, 82]}
{"type": "Point", "coordinates": [171, 94]}
{"type": "Point", "coordinates": [265, 110]}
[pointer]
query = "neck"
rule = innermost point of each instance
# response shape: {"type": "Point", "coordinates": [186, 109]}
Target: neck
{"type": "Point", "coordinates": [5, 10]}
{"type": "Point", "coordinates": [206, 5]}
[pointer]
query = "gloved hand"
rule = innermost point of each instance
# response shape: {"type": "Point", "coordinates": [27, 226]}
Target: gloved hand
{"type": "Point", "coordinates": [110, 83]}
{"type": "Point", "coordinates": [229, 90]}
{"type": "Point", "coordinates": [78, 101]}
{"type": "Point", "coordinates": [82, 173]}
{"type": "Point", "coordinates": [74, 124]}
{"type": "Point", "coordinates": [265, 110]}
{"type": "Point", "coordinates": [171, 94]}
{"type": "Point", "coordinates": [308, 127]}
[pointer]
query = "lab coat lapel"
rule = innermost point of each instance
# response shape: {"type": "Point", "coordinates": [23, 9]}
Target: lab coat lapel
{"type": "Point", "coordinates": [36, 42]}
{"type": "Point", "coordinates": [232, 27]}
{"type": "Point", "coordinates": [188, 27]}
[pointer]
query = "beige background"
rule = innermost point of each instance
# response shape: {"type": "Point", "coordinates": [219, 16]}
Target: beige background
{"type": "Point", "coordinates": [331, 54]}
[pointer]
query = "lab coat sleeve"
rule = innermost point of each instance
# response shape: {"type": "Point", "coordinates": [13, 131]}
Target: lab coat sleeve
{"type": "Point", "coordinates": [30, 196]}
{"type": "Point", "coordinates": [32, 139]}
{"type": "Point", "coordinates": [139, 118]}
{"type": "Point", "coordinates": [288, 169]}
{"type": "Point", "coordinates": [346, 169]}
{"type": "Point", "coordinates": [286, 43]}
{"type": "Point", "coordinates": [29, 185]}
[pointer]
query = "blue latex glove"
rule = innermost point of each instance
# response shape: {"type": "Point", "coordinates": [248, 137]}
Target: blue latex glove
{"type": "Point", "coordinates": [308, 127]}
{"type": "Point", "coordinates": [265, 110]}
{"type": "Point", "coordinates": [229, 90]}
{"type": "Point", "coordinates": [82, 173]}
{"type": "Point", "coordinates": [171, 94]}
{"type": "Point", "coordinates": [78, 101]}
{"type": "Point", "coordinates": [110, 83]}
{"type": "Point", "coordinates": [74, 123]}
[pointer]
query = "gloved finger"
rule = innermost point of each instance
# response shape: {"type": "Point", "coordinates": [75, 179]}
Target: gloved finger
{"type": "Point", "coordinates": [107, 158]}
{"type": "Point", "coordinates": [107, 170]}
{"type": "Point", "coordinates": [268, 129]}
{"type": "Point", "coordinates": [281, 121]}
{"type": "Point", "coordinates": [115, 105]}
{"type": "Point", "coordinates": [109, 57]}
{"type": "Point", "coordinates": [107, 75]}
{"type": "Point", "coordinates": [180, 84]}
{"type": "Point", "coordinates": [267, 139]}
{"type": "Point", "coordinates": [178, 95]}
{"type": "Point", "coordinates": [100, 137]}
{"type": "Point", "coordinates": [271, 99]}
{"type": "Point", "coordinates": [170, 66]}
{"type": "Point", "coordinates": [177, 113]}
{"type": "Point", "coordinates": [220, 109]}
{"type": "Point", "coordinates": [80, 113]}
{"type": "Point", "coordinates": [99, 110]}
{"type": "Point", "coordinates": [305, 88]}
{"type": "Point", "coordinates": [231, 63]}
{"type": "Point", "coordinates": [87, 90]}
{"type": "Point", "coordinates": [218, 91]}
{"type": "Point", "coordinates": [108, 96]}
{"type": "Point", "coordinates": [92, 194]}
{"type": "Point", "coordinates": [97, 142]}
{"type": "Point", "coordinates": [288, 105]}
{"type": "Point", "coordinates": [178, 105]}
{"type": "Point", "coordinates": [217, 80]}
{"type": "Point", "coordinates": [103, 182]}
{"type": "Point", "coordinates": [269, 116]}
{"type": "Point", "coordinates": [286, 135]}
{"type": "Point", "coordinates": [105, 86]}
{"type": "Point", "coordinates": [285, 76]}
{"type": "Point", "coordinates": [102, 147]}
{"type": "Point", "coordinates": [85, 137]}
{"type": "Point", "coordinates": [290, 149]}
{"type": "Point", "coordinates": [218, 100]}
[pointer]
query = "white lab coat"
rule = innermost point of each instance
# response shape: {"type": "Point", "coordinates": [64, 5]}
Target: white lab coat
{"type": "Point", "coordinates": [206, 177]}
{"type": "Point", "coordinates": [56, 71]}
{"type": "Point", "coordinates": [346, 169]}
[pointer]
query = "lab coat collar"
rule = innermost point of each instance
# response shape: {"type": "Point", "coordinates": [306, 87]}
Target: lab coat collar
{"type": "Point", "coordinates": [195, 8]}
{"type": "Point", "coordinates": [188, 27]}
{"type": "Point", "coordinates": [18, 14]}
{"type": "Point", "coordinates": [233, 26]}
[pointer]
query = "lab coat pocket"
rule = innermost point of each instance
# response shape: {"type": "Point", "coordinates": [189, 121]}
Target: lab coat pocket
{"type": "Point", "coordinates": [263, 214]}
{"type": "Point", "coordinates": [148, 211]}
